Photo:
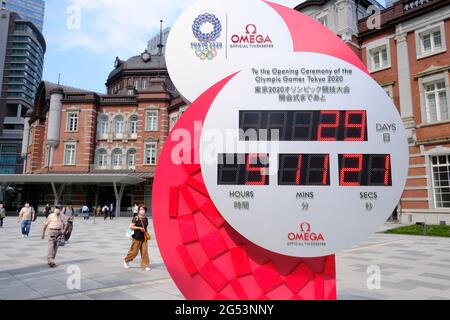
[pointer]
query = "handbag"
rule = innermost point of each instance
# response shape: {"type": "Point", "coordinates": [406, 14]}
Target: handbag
{"type": "Point", "coordinates": [60, 240]}
{"type": "Point", "coordinates": [147, 236]}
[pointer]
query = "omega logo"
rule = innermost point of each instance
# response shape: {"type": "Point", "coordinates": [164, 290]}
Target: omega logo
{"type": "Point", "coordinates": [305, 234]}
{"type": "Point", "coordinates": [251, 36]}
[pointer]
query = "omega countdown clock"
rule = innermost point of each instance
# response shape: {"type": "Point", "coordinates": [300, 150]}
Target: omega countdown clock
{"type": "Point", "coordinates": [279, 164]}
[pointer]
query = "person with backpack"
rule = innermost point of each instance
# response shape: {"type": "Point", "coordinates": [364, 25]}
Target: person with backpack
{"type": "Point", "coordinates": [26, 215]}
{"type": "Point", "coordinates": [105, 211]}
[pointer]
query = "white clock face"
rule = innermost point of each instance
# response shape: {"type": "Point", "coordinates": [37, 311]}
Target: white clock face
{"type": "Point", "coordinates": [328, 172]}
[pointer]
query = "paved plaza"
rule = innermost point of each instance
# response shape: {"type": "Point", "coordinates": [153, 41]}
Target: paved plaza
{"type": "Point", "coordinates": [411, 267]}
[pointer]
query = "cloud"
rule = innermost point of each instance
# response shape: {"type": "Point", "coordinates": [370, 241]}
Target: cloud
{"type": "Point", "coordinates": [118, 26]}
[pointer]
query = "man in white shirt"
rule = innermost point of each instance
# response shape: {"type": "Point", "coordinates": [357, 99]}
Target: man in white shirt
{"type": "Point", "coordinates": [55, 224]}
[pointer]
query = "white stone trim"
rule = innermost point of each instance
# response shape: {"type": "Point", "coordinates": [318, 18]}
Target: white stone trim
{"type": "Point", "coordinates": [422, 82]}
{"type": "Point", "coordinates": [419, 53]}
{"type": "Point", "coordinates": [423, 20]}
{"type": "Point", "coordinates": [377, 44]}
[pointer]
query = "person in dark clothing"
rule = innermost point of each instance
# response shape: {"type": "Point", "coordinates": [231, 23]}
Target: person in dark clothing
{"type": "Point", "coordinates": [47, 210]}
{"type": "Point", "coordinates": [105, 211]}
{"type": "Point", "coordinates": [2, 214]}
{"type": "Point", "coordinates": [139, 243]}
{"type": "Point", "coordinates": [69, 213]}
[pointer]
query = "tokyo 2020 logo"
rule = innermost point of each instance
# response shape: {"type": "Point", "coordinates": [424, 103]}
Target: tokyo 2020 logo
{"type": "Point", "coordinates": [207, 47]}
{"type": "Point", "coordinates": [202, 20]}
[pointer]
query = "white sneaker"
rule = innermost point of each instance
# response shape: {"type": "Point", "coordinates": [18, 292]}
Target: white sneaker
{"type": "Point", "coordinates": [148, 269]}
{"type": "Point", "coordinates": [126, 265]}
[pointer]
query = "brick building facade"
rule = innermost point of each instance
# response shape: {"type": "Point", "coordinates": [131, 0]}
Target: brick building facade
{"type": "Point", "coordinates": [89, 148]}
{"type": "Point", "coordinates": [407, 55]}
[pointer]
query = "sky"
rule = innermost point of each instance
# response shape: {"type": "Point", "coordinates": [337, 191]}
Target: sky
{"type": "Point", "coordinates": [85, 36]}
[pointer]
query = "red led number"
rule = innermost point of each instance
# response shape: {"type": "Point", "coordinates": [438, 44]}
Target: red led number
{"type": "Point", "coordinates": [387, 167]}
{"type": "Point", "coordinates": [254, 168]}
{"type": "Point", "coordinates": [299, 170]}
{"type": "Point", "coordinates": [353, 126]}
{"type": "Point", "coordinates": [346, 172]}
{"type": "Point", "coordinates": [325, 128]}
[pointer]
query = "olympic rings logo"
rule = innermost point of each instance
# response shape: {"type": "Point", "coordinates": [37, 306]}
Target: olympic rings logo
{"type": "Point", "coordinates": [200, 21]}
{"type": "Point", "coordinates": [206, 54]}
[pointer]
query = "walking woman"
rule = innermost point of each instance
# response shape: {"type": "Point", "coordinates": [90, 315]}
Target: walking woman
{"type": "Point", "coordinates": [139, 225]}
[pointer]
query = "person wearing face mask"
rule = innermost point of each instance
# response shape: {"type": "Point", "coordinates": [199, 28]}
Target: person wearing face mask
{"type": "Point", "coordinates": [141, 236]}
{"type": "Point", "coordinates": [55, 224]}
{"type": "Point", "coordinates": [26, 215]}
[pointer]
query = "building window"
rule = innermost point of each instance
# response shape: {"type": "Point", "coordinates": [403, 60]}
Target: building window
{"type": "Point", "coordinates": [173, 120]}
{"type": "Point", "coordinates": [150, 154]}
{"type": "Point", "coordinates": [119, 126]}
{"type": "Point", "coordinates": [151, 121]}
{"type": "Point", "coordinates": [136, 84]}
{"type": "Point", "coordinates": [430, 41]}
{"type": "Point", "coordinates": [102, 159]}
{"type": "Point", "coordinates": [70, 154]}
{"type": "Point", "coordinates": [104, 125]}
{"type": "Point", "coordinates": [323, 20]}
{"type": "Point", "coordinates": [379, 58]}
{"type": "Point", "coordinates": [436, 101]}
{"type": "Point", "coordinates": [144, 84]}
{"type": "Point", "coordinates": [133, 125]}
{"type": "Point", "coordinates": [441, 181]}
{"type": "Point", "coordinates": [182, 110]}
{"type": "Point", "coordinates": [389, 89]}
{"type": "Point", "coordinates": [8, 158]}
{"type": "Point", "coordinates": [131, 159]}
{"type": "Point", "coordinates": [72, 122]}
{"type": "Point", "coordinates": [117, 159]}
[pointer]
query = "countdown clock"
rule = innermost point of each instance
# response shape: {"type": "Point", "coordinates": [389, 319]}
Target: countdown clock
{"type": "Point", "coordinates": [325, 163]}
{"type": "Point", "coordinates": [284, 158]}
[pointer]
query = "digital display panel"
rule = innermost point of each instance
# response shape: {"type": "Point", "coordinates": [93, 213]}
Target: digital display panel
{"type": "Point", "coordinates": [303, 125]}
{"type": "Point", "coordinates": [304, 170]}
{"type": "Point", "coordinates": [243, 169]}
{"type": "Point", "coordinates": [365, 170]}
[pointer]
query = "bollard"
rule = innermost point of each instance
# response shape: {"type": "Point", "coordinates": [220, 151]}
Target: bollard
{"type": "Point", "coordinates": [424, 227]}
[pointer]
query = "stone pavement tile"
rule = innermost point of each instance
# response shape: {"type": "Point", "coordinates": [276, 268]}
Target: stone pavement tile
{"type": "Point", "coordinates": [436, 276]}
{"type": "Point", "coordinates": [411, 284]}
{"type": "Point", "coordinates": [118, 295]}
{"type": "Point", "coordinates": [47, 286]}
{"type": "Point", "coordinates": [18, 292]}
{"type": "Point", "coordinates": [168, 287]}
{"type": "Point", "coordinates": [112, 281]}
{"type": "Point", "coordinates": [440, 265]}
{"type": "Point", "coordinates": [415, 253]}
{"type": "Point", "coordinates": [352, 257]}
{"type": "Point", "coordinates": [79, 297]}
{"type": "Point", "coordinates": [58, 298]}
{"type": "Point", "coordinates": [404, 258]}
{"type": "Point", "coordinates": [354, 294]}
